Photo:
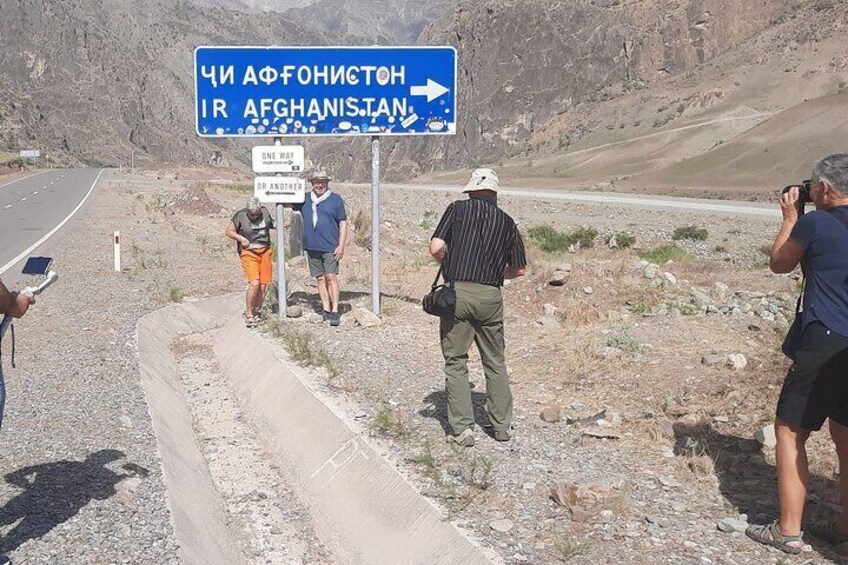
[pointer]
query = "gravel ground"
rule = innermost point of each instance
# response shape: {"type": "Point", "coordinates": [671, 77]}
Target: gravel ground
{"type": "Point", "coordinates": [74, 394]}
{"type": "Point", "coordinates": [677, 459]}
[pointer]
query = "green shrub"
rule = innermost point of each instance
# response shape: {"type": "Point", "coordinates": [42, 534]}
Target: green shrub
{"type": "Point", "coordinates": [690, 232]}
{"type": "Point", "coordinates": [664, 254]}
{"type": "Point", "coordinates": [623, 239]}
{"type": "Point", "coordinates": [552, 240]}
{"type": "Point", "coordinates": [176, 294]}
{"type": "Point", "coordinates": [584, 236]}
{"type": "Point", "coordinates": [549, 238]}
{"type": "Point", "coordinates": [624, 342]}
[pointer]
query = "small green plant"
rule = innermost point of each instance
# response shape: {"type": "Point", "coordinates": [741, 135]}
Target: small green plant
{"type": "Point", "coordinates": [429, 220]}
{"type": "Point", "coordinates": [623, 240]}
{"type": "Point", "coordinates": [298, 345]}
{"type": "Point", "coordinates": [322, 358]}
{"type": "Point", "coordinates": [624, 342]}
{"type": "Point", "coordinates": [761, 264]}
{"type": "Point", "coordinates": [584, 236]}
{"type": "Point", "coordinates": [428, 464]}
{"type": "Point", "coordinates": [664, 254]}
{"type": "Point", "coordinates": [549, 238]}
{"type": "Point", "coordinates": [390, 423]}
{"type": "Point", "coordinates": [568, 549]}
{"type": "Point", "coordinates": [690, 232]}
{"type": "Point", "coordinates": [156, 203]}
{"type": "Point", "coordinates": [552, 240]}
{"type": "Point", "coordinates": [303, 349]}
{"type": "Point", "coordinates": [176, 294]}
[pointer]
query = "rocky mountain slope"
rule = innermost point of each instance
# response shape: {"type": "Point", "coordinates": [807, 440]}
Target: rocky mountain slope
{"type": "Point", "coordinates": [652, 83]}
{"type": "Point", "coordinates": [384, 22]}
{"type": "Point", "coordinates": [543, 79]}
{"type": "Point", "coordinates": [92, 82]}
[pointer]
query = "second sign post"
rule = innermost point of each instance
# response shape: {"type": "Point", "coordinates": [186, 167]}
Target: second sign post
{"type": "Point", "coordinates": [278, 190]}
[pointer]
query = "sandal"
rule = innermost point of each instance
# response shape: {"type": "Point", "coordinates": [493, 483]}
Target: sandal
{"type": "Point", "coordinates": [769, 534]}
{"type": "Point", "coordinates": [250, 321]}
{"type": "Point", "coordinates": [826, 531]}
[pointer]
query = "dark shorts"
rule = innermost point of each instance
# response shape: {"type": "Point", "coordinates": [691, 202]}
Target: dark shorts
{"type": "Point", "coordinates": [816, 386]}
{"type": "Point", "coordinates": [321, 263]}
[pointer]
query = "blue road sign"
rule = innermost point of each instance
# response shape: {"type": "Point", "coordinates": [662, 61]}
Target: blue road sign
{"type": "Point", "coordinates": [305, 91]}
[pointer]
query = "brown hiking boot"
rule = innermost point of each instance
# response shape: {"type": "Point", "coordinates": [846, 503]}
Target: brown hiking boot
{"type": "Point", "coordinates": [465, 439]}
{"type": "Point", "coordinates": [501, 435]}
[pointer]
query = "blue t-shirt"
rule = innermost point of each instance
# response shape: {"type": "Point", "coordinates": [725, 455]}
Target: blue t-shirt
{"type": "Point", "coordinates": [324, 237]}
{"type": "Point", "coordinates": [825, 242]}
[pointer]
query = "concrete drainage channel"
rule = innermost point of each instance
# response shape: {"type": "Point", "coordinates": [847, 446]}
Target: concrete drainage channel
{"type": "Point", "coordinates": [360, 509]}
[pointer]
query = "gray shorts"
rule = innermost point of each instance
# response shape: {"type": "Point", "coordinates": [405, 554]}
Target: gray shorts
{"type": "Point", "coordinates": [321, 263]}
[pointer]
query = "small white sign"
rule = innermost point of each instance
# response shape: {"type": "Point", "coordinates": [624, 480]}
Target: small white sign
{"type": "Point", "coordinates": [278, 159]}
{"type": "Point", "coordinates": [280, 190]}
{"type": "Point", "coordinates": [30, 153]}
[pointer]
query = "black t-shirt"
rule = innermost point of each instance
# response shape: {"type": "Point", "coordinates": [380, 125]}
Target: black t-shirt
{"type": "Point", "coordinates": [256, 231]}
{"type": "Point", "coordinates": [482, 241]}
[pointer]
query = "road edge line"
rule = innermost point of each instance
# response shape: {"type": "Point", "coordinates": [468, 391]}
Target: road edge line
{"type": "Point", "coordinates": [50, 234]}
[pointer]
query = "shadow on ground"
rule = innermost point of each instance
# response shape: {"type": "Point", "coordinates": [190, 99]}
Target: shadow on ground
{"type": "Point", "coordinates": [311, 300]}
{"type": "Point", "coordinates": [55, 492]}
{"type": "Point", "coordinates": [749, 483]}
{"type": "Point", "coordinates": [437, 408]}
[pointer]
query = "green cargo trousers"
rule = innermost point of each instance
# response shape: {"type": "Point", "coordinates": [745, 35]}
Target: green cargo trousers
{"type": "Point", "coordinates": [478, 318]}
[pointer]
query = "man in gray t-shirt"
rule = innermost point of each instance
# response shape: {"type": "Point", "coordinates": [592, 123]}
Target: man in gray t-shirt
{"type": "Point", "coordinates": [251, 228]}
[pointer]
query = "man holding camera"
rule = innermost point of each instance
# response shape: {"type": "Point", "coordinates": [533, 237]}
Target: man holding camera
{"type": "Point", "coordinates": [816, 386]}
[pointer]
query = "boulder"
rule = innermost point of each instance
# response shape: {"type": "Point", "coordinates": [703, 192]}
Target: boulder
{"type": "Point", "coordinates": [366, 318]}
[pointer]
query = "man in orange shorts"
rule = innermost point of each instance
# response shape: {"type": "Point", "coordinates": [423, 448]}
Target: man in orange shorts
{"type": "Point", "coordinates": [251, 228]}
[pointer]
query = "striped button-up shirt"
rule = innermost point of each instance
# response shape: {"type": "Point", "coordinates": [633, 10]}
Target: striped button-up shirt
{"type": "Point", "coordinates": [482, 241]}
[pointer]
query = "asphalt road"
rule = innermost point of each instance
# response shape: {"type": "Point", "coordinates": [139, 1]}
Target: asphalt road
{"type": "Point", "coordinates": [34, 208]}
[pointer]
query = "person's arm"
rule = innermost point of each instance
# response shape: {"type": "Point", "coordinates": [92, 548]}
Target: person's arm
{"type": "Point", "coordinates": [786, 253]}
{"type": "Point", "coordinates": [339, 252]}
{"type": "Point", "coordinates": [517, 262]}
{"type": "Point", "coordinates": [234, 235]}
{"type": "Point", "coordinates": [438, 246]}
{"type": "Point", "coordinates": [514, 272]}
{"type": "Point", "coordinates": [14, 304]}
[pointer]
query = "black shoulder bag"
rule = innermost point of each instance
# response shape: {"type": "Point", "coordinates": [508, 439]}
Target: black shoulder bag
{"type": "Point", "coordinates": [792, 341]}
{"type": "Point", "coordinates": [441, 300]}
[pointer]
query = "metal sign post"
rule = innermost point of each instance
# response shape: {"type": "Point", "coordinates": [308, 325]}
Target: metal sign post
{"type": "Point", "coordinates": [277, 159]}
{"type": "Point", "coordinates": [282, 289]}
{"type": "Point", "coordinates": [327, 91]}
{"type": "Point", "coordinates": [375, 225]}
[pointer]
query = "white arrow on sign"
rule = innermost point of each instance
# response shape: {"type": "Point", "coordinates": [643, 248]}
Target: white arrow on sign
{"type": "Point", "coordinates": [432, 91]}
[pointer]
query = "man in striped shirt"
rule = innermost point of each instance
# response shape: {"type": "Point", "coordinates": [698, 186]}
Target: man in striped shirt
{"type": "Point", "coordinates": [479, 246]}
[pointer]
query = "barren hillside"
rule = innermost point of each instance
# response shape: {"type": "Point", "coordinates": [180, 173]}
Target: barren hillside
{"type": "Point", "coordinates": [583, 93]}
{"type": "Point", "coordinates": [92, 82]}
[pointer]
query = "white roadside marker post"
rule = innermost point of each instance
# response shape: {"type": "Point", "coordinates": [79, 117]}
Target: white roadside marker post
{"type": "Point", "coordinates": [117, 251]}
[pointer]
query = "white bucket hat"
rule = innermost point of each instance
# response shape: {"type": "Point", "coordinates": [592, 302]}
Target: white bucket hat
{"type": "Point", "coordinates": [482, 179]}
{"type": "Point", "coordinates": [319, 174]}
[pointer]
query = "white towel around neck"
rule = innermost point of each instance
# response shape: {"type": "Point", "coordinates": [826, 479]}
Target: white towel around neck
{"type": "Point", "coordinates": [315, 202]}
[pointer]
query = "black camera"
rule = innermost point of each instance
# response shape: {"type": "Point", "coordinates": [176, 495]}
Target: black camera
{"type": "Point", "coordinates": [803, 190]}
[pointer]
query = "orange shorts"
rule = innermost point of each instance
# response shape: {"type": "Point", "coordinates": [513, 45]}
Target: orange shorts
{"type": "Point", "coordinates": [256, 264]}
